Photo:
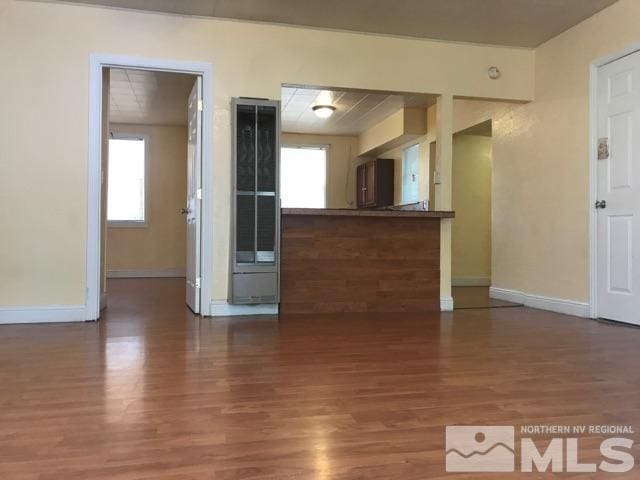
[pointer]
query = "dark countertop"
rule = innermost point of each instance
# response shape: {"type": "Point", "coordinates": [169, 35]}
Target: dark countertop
{"type": "Point", "coordinates": [352, 212]}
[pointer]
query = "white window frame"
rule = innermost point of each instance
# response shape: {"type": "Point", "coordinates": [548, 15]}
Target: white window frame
{"type": "Point", "coordinates": [134, 223]}
{"type": "Point", "coordinates": [402, 189]}
{"type": "Point", "coordinates": [314, 146]}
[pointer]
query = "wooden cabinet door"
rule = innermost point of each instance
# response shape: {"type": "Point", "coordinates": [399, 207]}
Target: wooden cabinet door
{"type": "Point", "coordinates": [360, 185]}
{"type": "Point", "coordinates": [370, 184]}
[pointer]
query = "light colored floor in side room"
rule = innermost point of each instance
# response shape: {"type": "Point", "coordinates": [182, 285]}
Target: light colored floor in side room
{"type": "Point", "coordinates": [476, 297]}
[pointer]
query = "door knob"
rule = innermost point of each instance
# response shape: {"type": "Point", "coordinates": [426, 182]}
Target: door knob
{"type": "Point", "coordinates": [185, 211]}
{"type": "Point", "coordinates": [601, 204]}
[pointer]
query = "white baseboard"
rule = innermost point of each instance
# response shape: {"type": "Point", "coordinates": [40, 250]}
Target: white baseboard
{"type": "Point", "coordinates": [151, 273]}
{"type": "Point", "coordinates": [42, 314]}
{"type": "Point", "coordinates": [471, 282]}
{"type": "Point", "coordinates": [560, 305]}
{"type": "Point", "coordinates": [446, 304]}
{"type": "Point", "coordinates": [507, 295]}
{"type": "Point", "coordinates": [225, 309]}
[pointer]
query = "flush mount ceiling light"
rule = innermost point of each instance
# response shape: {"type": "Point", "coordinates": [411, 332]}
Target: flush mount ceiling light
{"type": "Point", "coordinates": [323, 111]}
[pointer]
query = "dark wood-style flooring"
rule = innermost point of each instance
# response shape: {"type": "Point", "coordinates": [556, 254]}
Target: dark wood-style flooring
{"type": "Point", "coordinates": [154, 392]}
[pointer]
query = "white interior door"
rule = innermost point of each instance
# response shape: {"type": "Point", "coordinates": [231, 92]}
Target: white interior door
{"type": "Point", "coordinates": [618, 237]}
{"type": "Point", "coordinates": [194, 196]}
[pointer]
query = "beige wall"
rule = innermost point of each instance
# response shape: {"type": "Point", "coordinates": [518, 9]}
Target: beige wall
{"type": "Point", "coordinates": [541, 161]}
{"type": "Point", "coordinates": [341, 158]}
{"type": "Point", "coordinates": [426, 123]}
{"type": "Point", "coordinates": [541, 200]}
{"type": "Point", "coordinates": [397, 129]}
{"type": "Point", "coordinates": [249, 60]}
{"type": "Point", "coordinates": [161, 245]}
{"type": "Point", "coordinates": [471, 229]}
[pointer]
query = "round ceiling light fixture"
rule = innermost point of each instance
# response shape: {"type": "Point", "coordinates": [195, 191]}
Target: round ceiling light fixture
{"type": "Point", "coordinates": [323, 111]}
{"type": "Point", "coordinates": [494, 73]}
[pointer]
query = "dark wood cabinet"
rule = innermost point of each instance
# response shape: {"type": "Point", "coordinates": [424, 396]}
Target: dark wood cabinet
{"type": "Point", "coordinates": [375, 183]}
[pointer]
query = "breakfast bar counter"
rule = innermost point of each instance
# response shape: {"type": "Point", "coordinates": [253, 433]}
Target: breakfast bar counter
{"type": "Point", "coordinates": [352, 212]}
{"type": "Point", "coordinates": [348, 260]}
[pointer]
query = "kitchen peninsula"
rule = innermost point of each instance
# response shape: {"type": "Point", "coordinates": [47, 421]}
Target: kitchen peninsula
{"type": "Point", "coordinates": [348, 260]}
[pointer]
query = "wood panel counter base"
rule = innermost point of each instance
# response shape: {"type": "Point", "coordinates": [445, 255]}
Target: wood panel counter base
{"type": "Point", "coordinates": [360, 261]}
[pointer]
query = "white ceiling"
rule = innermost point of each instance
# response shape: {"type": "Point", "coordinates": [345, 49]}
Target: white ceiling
{"type": "Point", "coordinates": [355, 112]}
{"type": "Point", "coordinates": [523, 23]}
{"type": "Point", "coordinates": [148, 97]}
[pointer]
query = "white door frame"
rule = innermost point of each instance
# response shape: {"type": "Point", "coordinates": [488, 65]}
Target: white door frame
{"type": "Point", "coordinates": [205, 70]}
{"type": "Point", "coordinates": [593, 170]}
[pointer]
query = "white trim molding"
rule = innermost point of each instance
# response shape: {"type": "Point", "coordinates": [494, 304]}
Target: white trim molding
{"type": "Point", "coordinates": [151, 273]}
{"type": "Point", "coordinates": [446, 304]}
{"type": "Point", "coordinates": [559, 305]}
{"type": "Point", "coordinates": [593, 189]}
{"type": "Point", "coordinates": [225, 309]}
{"type": "Point", "coordinates": [471, 282]}
{"type": "Point", "coordinates": [42, 314]}
{"type": "Point", "coordinates": [97, 62]}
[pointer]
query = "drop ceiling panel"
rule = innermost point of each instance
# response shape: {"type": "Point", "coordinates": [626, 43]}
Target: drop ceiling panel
{"type": "Point", "coordinates": [356, 111]}
{"type": "Point", "coordinates": [149, 97]}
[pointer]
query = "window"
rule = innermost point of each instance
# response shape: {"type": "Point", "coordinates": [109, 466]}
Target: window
{"type": "Point", "coordinates": [410, 165]}
{"type": "Point", "coordinates": [303, 177]}
{"type": "Point", "coordinates": [126, 202]}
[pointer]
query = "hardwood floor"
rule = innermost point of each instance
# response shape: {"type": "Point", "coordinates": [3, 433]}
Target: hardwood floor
{"type": "Point", "coordinates": [154, 392]}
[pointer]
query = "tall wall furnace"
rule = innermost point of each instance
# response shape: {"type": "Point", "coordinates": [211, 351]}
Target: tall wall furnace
{"type": "Point", "coordinates": [255, 259]}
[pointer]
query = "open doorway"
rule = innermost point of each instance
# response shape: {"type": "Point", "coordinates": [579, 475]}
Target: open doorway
{"type": "Point", "coordinates": [152, 175]}
{"type": "Point", "coordinates": [151, 158]}
{"type": "Point", "coordinates": [471, 230]}
{"type": "Point", "coordinates": [328, 132]}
